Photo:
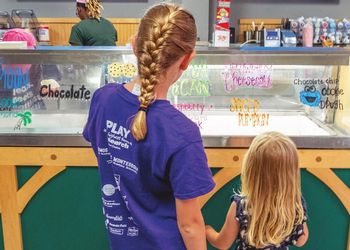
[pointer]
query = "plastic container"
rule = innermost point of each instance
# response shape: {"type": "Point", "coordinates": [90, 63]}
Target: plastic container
{"type": "Point", "coordinates": [308, 35]}
{"type": "Point", "coordinates": [44, 34]}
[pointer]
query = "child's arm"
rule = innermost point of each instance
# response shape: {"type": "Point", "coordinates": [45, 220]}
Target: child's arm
{"type": "Point", "coordinates": [304, 237]}
{"type": "Point", "coordinates": [228, 233]}
{"type": "Point", "coordinates": [191, 224]}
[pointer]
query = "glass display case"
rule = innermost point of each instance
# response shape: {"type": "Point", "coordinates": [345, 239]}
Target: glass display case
{"type": "Point", "coordinates": [231, 94]}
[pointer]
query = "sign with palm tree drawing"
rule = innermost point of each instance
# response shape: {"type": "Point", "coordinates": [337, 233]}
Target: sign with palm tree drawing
{"type": "Point", "coordinates": [24, 118]}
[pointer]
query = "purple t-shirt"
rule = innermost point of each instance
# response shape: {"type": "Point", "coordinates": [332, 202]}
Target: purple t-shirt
{"type": "Point", "coordinates": [140, 180]}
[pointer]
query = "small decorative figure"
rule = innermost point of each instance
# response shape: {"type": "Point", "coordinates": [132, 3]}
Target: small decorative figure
{"type": "Point", "coordinates": [324, 29]}
{"type": "Point", "coordinates": [346, 32]}
{"type": "Point", "coordinates": [339, 32]}
{"type": "Point", "coordinates": [301, 24]}
{"type": "Point", "coordinates": [317, 29]}
{"type": "Point", "coordinates": [331, 29]}
{"type": "Point", "coordinates": [294, 26]}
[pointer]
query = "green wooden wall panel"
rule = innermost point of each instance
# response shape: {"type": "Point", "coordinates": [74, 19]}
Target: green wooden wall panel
{"type": "Point", "coordinates": [344, 175]}
{"type": "Point", "coordinates": [66, 214]}
{"type": "Point", "coordinates": [24, 174]}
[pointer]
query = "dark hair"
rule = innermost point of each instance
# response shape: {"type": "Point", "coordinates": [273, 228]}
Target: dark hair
{"type": "Point", "coordinates": [81, 5]}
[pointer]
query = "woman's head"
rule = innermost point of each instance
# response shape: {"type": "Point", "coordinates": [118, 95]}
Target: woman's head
{"type": "Point", "coordinates": [89, 9]}
{"type": "Point", "coordinates": [166, 34]}
{"type": "Point", "coordinates": [14, 35]}
{"type": "Point", "coordinates": [20, 35]}
{"type": "Point", "coordinates": [271, 184]}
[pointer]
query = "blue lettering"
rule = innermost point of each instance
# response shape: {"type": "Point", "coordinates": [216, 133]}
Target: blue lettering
{"type": "Point", "coordinates": [14, 77]}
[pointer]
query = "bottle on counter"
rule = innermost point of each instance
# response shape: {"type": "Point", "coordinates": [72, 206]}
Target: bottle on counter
{"type": "Point", "coordinates": [308, 35]}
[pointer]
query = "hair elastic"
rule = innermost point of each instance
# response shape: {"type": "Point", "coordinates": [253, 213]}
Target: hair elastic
{"type": "Point", "coordinates": [145, 109]}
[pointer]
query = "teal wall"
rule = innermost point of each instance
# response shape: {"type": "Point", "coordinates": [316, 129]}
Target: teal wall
{"type": "Point", "coordinates": [67, 213]}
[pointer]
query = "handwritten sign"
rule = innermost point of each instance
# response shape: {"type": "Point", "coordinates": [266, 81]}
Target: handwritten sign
{"type": "Point", "coordinates": [247, 111]}
{"type": "Point", "coordinates": [73, 93]}
{"type": "Point", "coordinates": [14, 77]}
{"type": "Point", "coordinates": [195, 111]}
{"type": "Point", "coordinates": [314, 95]}
{"type": "Point", "coordinates": [194, 82]}
{"type": "Point", "coordinates": [6, 114]}
{"type": "Point", "coordinates": [247, 75]}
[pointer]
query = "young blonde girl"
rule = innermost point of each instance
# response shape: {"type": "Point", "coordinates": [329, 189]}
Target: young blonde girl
{"type": "Point", "coordinates": [270, 211]}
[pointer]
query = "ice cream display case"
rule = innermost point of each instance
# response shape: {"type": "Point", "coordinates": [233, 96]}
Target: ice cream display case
{"type": "Point", "coordinates": [232, 95]}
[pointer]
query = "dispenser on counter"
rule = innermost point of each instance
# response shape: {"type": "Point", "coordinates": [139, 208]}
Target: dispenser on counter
{"type": "Point", "coordinates": [6, 22]}
{"type": "Point", "coordinates": [26, 19]}
{"type": "Point", "coordinates": [288, 38]}
{"type": "Point", "coordinates": [272, 38]}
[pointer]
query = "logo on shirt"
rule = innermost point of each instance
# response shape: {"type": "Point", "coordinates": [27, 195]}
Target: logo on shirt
{"type": "Point", "coordinates": [108, 189]}
{"type": "Point", "coordinates": [133, 231]}
{"type": "Point", "coordinates": [117, 136]}
{"type": "Point", "coordinates": [110, 203]}
{"type": "Point", "coordinates": [113, 128]}
{"type": "Point", "coordinates": [103, 151]}
{"type": "Point", "coordinates": [126, 165]}
{"type": "Point", "coordinates": [116, 231]}
{"type": "Point", "coordinates": [115, 218]}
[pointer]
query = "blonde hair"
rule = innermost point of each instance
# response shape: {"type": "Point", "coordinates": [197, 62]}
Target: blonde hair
{"type": "Point", "coordinates": [271, 184]}
{"type": "Point", "coordinates": [94, 8]}
{"type": "Point", "coordinates": [166, 33]}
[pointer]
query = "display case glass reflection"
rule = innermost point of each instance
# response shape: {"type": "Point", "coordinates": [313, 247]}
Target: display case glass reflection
{"type": "Point", "coordinates": [222, 95]}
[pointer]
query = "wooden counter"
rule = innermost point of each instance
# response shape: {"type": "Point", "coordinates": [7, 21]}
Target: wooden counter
{"type": "Point", "coordinates": [54, 162]}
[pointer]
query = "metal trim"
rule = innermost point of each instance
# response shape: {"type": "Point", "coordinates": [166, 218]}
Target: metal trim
{"type": "Point", "coordinates": [304, 142]}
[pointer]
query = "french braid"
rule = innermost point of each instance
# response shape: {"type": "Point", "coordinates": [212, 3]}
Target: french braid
{"type": "Point", "coordinates": [166, 33]}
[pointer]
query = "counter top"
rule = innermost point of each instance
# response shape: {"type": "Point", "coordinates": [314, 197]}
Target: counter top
{"type": "Point", "coordinates": [234, 54]}
{"type": "Point", "coordinates": [215, 131]}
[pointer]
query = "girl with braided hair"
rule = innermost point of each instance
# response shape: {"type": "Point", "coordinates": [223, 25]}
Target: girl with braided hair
{"type": "Point", "coordinates": [92, 30]}
{"type": "Point", "coordinates": [151, 158]}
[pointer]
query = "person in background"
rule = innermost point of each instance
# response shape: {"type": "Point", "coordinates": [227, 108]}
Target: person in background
{"type": "Point", "coordinates": [151, 157]}
{"type": "Point", "coordinates": [92, 30]}
{"type": "Point", "coordinates": [270, 212]}
{"type": "Point", "coordinates": [26, 94]}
